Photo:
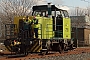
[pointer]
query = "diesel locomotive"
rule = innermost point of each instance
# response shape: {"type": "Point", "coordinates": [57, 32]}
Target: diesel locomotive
{"type": "Point", "coordinates": [54, 31]}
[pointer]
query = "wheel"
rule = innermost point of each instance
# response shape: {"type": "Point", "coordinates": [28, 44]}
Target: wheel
{"type": "Point", "coordinates": [26, 53]}
{"type": "Point", "coordinates": [46, 52]}
{"type": "Point", "coordinates": [59, 49]}
{"type": "Point", "coordinates": [71, 47]}
{"type": "Point", "coordinates": [65, 47]}
{"type": "Point", "coordinates": [43, 53]}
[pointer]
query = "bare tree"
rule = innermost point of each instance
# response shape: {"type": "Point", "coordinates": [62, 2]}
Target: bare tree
{"type": "Point", "coordinates": [11, 8]}
{"type": "Point", "coordinates": [79, 11]}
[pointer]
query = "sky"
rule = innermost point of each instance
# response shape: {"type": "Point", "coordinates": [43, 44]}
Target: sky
{"type": "Point", "coordinates": [76, 3]}
{"type": "Point", "coordinates": [72, 3]}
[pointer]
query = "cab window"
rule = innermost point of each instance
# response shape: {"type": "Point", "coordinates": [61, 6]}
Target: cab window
{"type": "Point", "coordinates": [65, 14]}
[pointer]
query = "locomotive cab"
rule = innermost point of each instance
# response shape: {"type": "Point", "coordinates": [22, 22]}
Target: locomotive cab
{"type": "Point", "coordinates": [60, 19]}
{"type": "Point", "coordinates": [57, 26]}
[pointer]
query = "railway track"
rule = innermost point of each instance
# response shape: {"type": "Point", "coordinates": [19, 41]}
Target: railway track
{"type": "Point", "coordinates": [50, 54]}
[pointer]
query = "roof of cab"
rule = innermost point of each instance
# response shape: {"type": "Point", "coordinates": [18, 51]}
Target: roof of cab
{"type": "Point", "coordinates": [45, 8]}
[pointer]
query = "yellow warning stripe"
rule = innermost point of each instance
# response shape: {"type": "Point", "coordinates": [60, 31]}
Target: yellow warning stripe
{"type": "Point", "coordinates": [34, 46]}
{"type": "Point", "coordinates": [8, 48]}
{"type": "Point", "coordinates": [38, 47]}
